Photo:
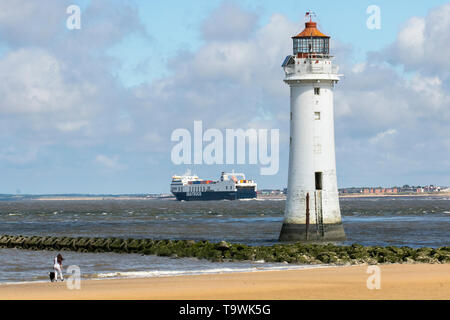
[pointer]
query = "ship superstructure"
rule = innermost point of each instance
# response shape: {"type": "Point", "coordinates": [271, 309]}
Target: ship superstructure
{"type": "Point", "coordinates": [230, 186]}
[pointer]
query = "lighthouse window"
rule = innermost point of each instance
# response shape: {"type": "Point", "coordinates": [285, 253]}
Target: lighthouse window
{"type": "Point", "coordinates": [317, 91]}
{"type": "Point", "coordinates": [316, 115]}
{"type": "Point", "coordinates": [311, 45]}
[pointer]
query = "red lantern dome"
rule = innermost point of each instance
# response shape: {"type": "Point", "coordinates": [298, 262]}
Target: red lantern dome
{"type": "Point", "coordinates": [311, 42]}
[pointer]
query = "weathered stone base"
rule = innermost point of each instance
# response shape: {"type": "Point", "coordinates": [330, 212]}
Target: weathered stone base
{"type": "Point", "coordinates": [297, 232]}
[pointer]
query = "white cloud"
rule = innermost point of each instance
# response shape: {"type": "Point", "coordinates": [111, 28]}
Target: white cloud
{"type": "Point", "coordinates": [71, 125]}
{"type": "Point", "coordinates": [110, 163]}
{"type": "Point", "coordinates": [411, 40]}
{"type": "Point", "coordinates": [359, 67]}
{"type": "Point", "coordinates": [228, 77]}
{"type": "Point", "coordinates": [32, 81]}
{"type": "Point", "coordinates": [24, 22]}
{"type": "Point", "coordinates": [422, 43]}
{"type": "Point", "coordinates": [381, 135]}
{"type": "Point", "coordinates": [229, 22]}
{"type": "Point", "coordinates": [63, 95]}
{"type": "Point", "coordinates": [230, 83]}
{"type": "Point", "coordinates": [19, 156]}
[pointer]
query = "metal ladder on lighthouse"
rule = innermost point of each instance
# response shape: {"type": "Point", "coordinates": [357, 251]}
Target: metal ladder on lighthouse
{"type": "Point", "coordinates": [319, 212]}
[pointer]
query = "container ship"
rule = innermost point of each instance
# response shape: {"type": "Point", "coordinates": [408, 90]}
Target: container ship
{"type": "Point", "coordinates": [231, 186]}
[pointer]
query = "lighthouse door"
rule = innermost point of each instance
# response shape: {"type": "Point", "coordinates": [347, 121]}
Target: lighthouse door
{"type": "Point", "coordinates": [318, 176]}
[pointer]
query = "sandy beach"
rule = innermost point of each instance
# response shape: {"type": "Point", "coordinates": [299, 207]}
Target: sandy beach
{"type": "Point", "coordinates": [398, 281]}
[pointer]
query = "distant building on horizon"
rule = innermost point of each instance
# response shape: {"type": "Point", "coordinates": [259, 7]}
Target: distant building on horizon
{"type": "Point", "coordinates": [406, 189]}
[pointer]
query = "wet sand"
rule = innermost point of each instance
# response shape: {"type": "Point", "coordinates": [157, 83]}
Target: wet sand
{"type": "Point", "coordinates": [398, 281]}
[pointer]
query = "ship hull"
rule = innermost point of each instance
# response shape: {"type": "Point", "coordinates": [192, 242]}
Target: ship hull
{"type": "Point", "coordinates": [215, 195]}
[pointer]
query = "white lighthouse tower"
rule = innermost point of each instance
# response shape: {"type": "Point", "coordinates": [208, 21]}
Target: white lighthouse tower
{"type": "Point", "coordinates": [312, 206]}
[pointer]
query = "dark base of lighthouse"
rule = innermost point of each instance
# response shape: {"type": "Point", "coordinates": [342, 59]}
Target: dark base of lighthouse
{"type": "Point", "coordinates": [300, 232]}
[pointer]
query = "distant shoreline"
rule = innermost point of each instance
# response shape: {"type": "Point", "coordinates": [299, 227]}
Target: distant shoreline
{"type": "Point", "coordinates": [440, 194]}
{"type": "Point", "coordinates": [82, 198]}
{"type": "Point", "coordinates": [167, 197]}
{"type": "Point", "coordinates": [372, 195]}
{"type": "Point", "coordinates": [72, 198]}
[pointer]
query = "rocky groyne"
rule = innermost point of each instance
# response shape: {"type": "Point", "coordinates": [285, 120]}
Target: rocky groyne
{"type": "Point", "coordinates": [223, 251]}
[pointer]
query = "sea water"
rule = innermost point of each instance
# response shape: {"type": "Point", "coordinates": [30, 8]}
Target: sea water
{"type": "Point", "coordinates": [399, 221]}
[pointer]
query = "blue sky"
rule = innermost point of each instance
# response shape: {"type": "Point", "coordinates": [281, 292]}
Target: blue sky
{"type": "Point", "coordinates": [92, 110]}
{"type": "Point", "coordinates": [175, 25]}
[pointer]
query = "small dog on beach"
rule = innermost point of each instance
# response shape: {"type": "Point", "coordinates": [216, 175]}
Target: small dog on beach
{"type": "Point", "coordinates": [52, 276]}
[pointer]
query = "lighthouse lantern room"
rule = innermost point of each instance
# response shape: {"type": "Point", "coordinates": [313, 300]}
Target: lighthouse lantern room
{"type": "Point", "coordinates": [311, 42]}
